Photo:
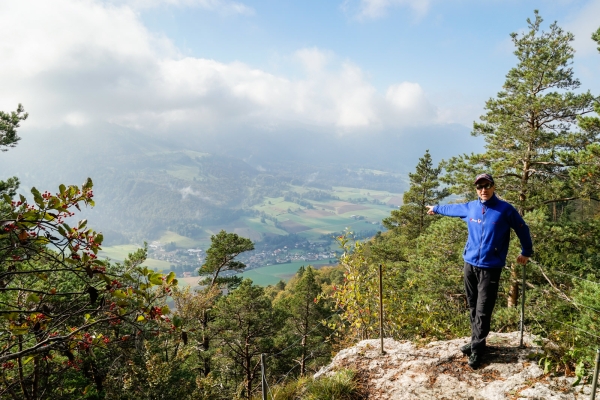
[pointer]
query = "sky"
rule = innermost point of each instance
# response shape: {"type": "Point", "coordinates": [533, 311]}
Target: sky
{"type": "Point", "coordinates": [210, 67]}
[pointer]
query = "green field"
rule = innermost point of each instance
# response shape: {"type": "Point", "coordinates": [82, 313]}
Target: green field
{"type": "Point", "coordinates": [271, 274]}
{"type": "Point", "coordinates": [264, 276]}
{"type": "Point", "coordinates": [356, 210]}
{"type": "Point", "coordinates": [180, 241]}
{"type": "Point", "coordinates": [120, 253]}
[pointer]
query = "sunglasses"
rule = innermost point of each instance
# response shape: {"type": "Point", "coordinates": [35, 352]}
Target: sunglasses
{"type": "Point", "coordinates": [484, 186]}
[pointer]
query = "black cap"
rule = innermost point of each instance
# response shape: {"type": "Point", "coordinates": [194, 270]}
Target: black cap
{"type": "Point", "coordinates": [487, 177]}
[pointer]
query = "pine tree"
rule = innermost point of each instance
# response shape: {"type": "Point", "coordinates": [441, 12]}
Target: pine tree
{"type": "Point", "coordinates": [247, 323]}
{"type": "Point", "coordinates": [220, 257]}
{"type": "Point", "coordinates": [411, 219]}
{"type": "Point", "coordinates": [305, 316]}
{"type": "Point", "coordinates": [530, 128]}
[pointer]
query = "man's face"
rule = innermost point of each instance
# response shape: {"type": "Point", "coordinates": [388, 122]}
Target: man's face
{"type": "Point", "coordinates": [485, 189]}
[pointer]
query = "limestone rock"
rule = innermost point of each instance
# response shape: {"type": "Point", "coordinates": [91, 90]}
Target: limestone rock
{"type": "Point", "coordinates": [439, 371]}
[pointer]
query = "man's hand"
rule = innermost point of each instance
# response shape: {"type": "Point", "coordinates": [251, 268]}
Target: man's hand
{"type": "Point", "coordinates": [522, 259]}
{"type": "Point", "coordinates": [430, 210]}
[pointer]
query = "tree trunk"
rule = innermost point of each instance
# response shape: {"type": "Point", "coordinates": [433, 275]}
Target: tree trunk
{"type": "Point", "coordinates": [248, 376]}
{"type": "Point", "coordinates": [303, 357]}
{"type": "Point", "coordinates": [205, 343]}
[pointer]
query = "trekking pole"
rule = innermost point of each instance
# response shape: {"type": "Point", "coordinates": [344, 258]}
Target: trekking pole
{"type": "Point", "coordinates": [523, 307]}
{"type": "Point", "coordinates": [595, 380]}
{"type": "Point", "coordinates": [264, 378]}
{"type": "Point", "coordinates": [381, 306]}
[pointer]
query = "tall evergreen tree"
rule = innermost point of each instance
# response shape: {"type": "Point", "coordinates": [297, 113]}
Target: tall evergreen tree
{"type": "Point", "coordinates": [587, 173]}
{"type": "Point", "coordinates": [305, 316]}
{"type": "Point", "coordinates": [411, 219]}
{"type": "Point", "coordinates": [220, 257]}
{"type": "Point", "coordinates": [530, 128]}
{"type": "Point", "coordinates": [247, 323]}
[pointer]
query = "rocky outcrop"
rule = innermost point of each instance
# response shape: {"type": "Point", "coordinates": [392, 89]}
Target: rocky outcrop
{"type": "Point", "coordinates": [439, 371]}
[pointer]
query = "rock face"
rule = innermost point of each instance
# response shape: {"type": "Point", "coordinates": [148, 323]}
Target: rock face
{"type": "Point", "coordinates": [439, 371]}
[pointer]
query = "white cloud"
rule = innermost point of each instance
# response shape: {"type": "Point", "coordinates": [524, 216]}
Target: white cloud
{"type": "Point", "coordinates": [410, 105]}
{"type": "Point", "coordinates": [213, 5]}
{"type": "Point", "coordinates": [313, 59]}
{"type": "Point", "coordinates": [372, 9]}
{"type": "Point", "coordinates": [82, 61]}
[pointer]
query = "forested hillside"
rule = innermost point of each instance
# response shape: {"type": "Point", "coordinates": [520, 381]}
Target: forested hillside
{"type": "Point", "coordinates": [146, 186]}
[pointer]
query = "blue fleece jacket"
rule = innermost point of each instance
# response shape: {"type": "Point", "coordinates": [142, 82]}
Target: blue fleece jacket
{"type": "Point", "coordinates": [489, 226]}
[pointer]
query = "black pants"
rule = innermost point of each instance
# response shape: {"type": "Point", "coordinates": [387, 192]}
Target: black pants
{"type": "Point", "coordinates": [481, 285]}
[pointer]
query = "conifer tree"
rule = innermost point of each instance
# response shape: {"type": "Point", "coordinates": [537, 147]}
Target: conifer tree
{"type": "Point", "coordinates": [530, 128]}
{"type": "Point", "coordinates": [305, 316]}
{"type": "Point", "coordinates": [411, 219]}
{"type": "Point", "coordinates": [587, 173]}
{"type": "Point", "coordinates": [247, 323]}
{"type": "Point", "coordinates": [220, 257]}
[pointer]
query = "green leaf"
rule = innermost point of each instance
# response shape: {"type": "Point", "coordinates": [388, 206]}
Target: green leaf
{"type": "Point", "coordinates": [165, 310]}
{"type": "Point", "coordinates": [33, 298]}
{"type": "Point", "coordinates": [62, 188]}
{"type": "Point", "coordinates": [87, 388]}
{"type": "Point", "coordinates": [37, 197]}
{"type": "Point", "coordinates": [579, 373]}
{"type": "Point", "coordinates": [177, 321]}
{"type": "Point", "coordinates": [547, 365]}
{"type": "Point", "coordinates": [18, 329]}
{"type": "Point", "coordinates": [120, 294]}
{"type": "Point", "coordinates": [11, 316]}
{"type": "Point", "coordinates": [170, 277]}
{"type": "Point", "coordinates": [156, 279]}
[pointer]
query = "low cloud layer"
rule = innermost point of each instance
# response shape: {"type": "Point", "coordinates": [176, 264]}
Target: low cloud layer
{"type": "Point", "coordinates": [79, 62]}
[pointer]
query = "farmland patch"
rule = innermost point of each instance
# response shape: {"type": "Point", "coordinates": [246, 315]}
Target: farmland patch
{"type": "Point", "coordinates": [350, 208]}
{"type": "Point", "coordinates": [293, 227]}
{"type": "Point", "coordinates": [316, 213]}
{"type": "Point", "coordinates": [395, 201]}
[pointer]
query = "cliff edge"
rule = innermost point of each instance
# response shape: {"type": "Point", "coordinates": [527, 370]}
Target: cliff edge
{"type": "Point", "coordinates": [439, 371]}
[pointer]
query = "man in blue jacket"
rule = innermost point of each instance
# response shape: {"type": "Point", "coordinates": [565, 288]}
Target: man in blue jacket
{"type": "Point", "coordinates": [489, 221]}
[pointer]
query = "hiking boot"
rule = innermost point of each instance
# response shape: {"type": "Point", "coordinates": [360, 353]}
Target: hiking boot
{"type": "Point", "coordinates": [475, 359]}
{"type": "Point", "coordinates": [466, 349]}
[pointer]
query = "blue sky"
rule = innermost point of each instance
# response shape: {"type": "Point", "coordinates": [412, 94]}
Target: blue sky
{"type": "Point", "coordinates": [341, 66]}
